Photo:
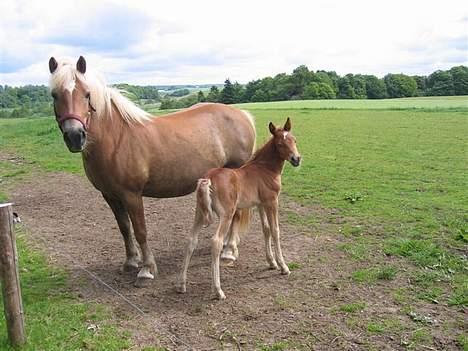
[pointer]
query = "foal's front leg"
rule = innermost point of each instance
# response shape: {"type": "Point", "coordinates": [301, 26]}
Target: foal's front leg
{"type": "Point", "coordinates": [272, 216]}
{"type": "Point", "coordinates": [121, 216]}
{"type": "Point", "coordinates": [267, 235]}
{"type": "Point", "coordinates": [134, 204]}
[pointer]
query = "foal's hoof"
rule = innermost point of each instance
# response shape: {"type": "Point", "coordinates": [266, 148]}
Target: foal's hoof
{"type": "Point", "coordinates": [143, 282]}
{"type": "Point", "coordinates": [285, 271]}
{"type": "Point", "coordinates": [273, 266]}
{"type": "Point", "coordinates": [219, 296]}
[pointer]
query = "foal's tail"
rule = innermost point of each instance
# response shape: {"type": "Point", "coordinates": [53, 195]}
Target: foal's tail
{"type": "Point", "coordinates": [244, 220]}
{"type": "Point", "coordinates": [204, 201]}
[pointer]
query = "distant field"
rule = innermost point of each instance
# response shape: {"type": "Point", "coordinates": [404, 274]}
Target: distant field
{"type": "Point", "coordinates": [433, 102]}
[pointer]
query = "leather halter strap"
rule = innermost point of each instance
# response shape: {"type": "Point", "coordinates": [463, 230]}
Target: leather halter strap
{"type": "Point", "coordinates": [66, 116]}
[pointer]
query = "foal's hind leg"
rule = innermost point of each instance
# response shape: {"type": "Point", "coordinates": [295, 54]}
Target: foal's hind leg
{"type": "Point", "coordinates": [267, 235]}
{"type": "Point", "coordinates": [121, 216]}
{"type": "Point", "coordinates": [230, 251]}
{"type": "Point", "coordinates": [134, 204]}
{"type": "Point", "coordinates": [192, 244]}
{"type": "Point", "coordinates": [272, 216]}
{"type": "Point", "coordinates": [216, 247]}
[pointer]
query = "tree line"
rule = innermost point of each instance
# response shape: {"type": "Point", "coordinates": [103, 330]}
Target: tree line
{"type": "Point", "coordinates": [304, 84]}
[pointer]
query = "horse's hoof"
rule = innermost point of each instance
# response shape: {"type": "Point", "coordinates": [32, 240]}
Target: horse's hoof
{"type": "Point", "coordinates": [285, 271]}
{"type": "Point", "coordinates": [143, 282]}
{"type": "Point", "coordinates": [181, 288]}
{"type": "Point", "coordinates": [129, 268]}
{"type": "Point", "coordinates": [228, 257]}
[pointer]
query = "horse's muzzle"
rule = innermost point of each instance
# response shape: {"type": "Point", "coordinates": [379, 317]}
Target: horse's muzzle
{"type": "Point", "coordinates": [295, 160]}
{"type": "Point", "coordinates": [75, 139]}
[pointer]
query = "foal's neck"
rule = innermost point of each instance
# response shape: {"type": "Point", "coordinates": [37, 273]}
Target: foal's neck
{"type": "Point", "coordinates": [268, 157]}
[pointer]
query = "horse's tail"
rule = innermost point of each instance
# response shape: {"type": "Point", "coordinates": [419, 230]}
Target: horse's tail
{"type": "Point", "coordinates": [251, 119]}
{"type": "Point", "coordinates": [244, 220]}
{"type": "Point", "coordinates": [204, 201]}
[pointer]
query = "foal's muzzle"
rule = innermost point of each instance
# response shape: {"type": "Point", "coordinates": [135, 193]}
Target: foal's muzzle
{"type": "Point", "coordinates": [295, 160]}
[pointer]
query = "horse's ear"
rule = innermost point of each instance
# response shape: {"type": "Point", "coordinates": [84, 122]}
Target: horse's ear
{"type": "Point", "coordinates": [81, 65]}
{"type": "Point", "coordinates": [287, 125]}
{"type": "Point", "coordinates": [272, 128]}
{"type": "Point", "coordinates": [52, 65]}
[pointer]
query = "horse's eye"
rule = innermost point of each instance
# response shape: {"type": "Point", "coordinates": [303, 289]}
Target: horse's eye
{"type": "Point", "coordinates": [54, 96]}
{"type": "Point", "coordinates": [87, 95]}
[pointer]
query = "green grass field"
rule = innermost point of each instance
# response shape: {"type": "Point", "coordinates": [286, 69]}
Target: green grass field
{"type": "Point", "coordinates": [429, 103]}
{"type": "Point", "coordinates": [397, 167]}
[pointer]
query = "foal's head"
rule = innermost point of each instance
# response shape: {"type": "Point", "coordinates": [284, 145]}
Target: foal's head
{"type": "Point", "coordinates": [285, 143]}
{"type": "Point", "coordinates": [72, 101]}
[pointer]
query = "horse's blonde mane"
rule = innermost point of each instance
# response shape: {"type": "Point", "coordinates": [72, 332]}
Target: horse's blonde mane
{"type": "Point", "coordinates": [102, 96]}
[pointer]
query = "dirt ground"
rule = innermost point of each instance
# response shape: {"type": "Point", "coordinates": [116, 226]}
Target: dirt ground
{"type": "Point", "coordinates": [67, 218]}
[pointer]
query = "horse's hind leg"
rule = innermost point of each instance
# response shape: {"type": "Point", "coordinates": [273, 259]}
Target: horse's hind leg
{"type": "Point", "coordinates": [192, 244]}
{"type": "Point", "coordinates": [230, 251]}
{"type": "Point", "coordinates": [121, 216]}
{"type": "Point", "coordinates": [216, 247]}
{"type": "Point", "coordinates": [134, 205]}
{"type": "Point", "coordinates": [267, 235]}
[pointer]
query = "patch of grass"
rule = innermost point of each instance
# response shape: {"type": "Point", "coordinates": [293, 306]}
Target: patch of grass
{"type": "Point", "coordinates": [424, 253]}
{"type": "Point", "coordinates": [462, 340]}
{"type": "Point", "coordinates": [375, 328]}
{"type": "Point", "coordinates": [294, 265]}
{"type": "Point", "coordinates": [459, 297]}
{"type": "Point", "coordinates": [352, 307]}
{"type": "Point", "coordinates": [357, 250]}
{"type": "Point", "coordinates": [371, 275]}
{"type": "Point", "coordinates": [277, 346]}
{"type": "Point", "coordinates": [54, 319]}
{"type": "Point", "coordinates": [349, 230]}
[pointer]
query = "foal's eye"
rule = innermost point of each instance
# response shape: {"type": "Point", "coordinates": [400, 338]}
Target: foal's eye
{"type": "Point", "coordinates": [87, 95]}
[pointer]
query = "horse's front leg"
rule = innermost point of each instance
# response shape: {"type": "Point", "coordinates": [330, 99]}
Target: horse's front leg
{"type": "Point", "coordinates": [121, 216]}
{"type": "Point", "coordinates": [134, 205]}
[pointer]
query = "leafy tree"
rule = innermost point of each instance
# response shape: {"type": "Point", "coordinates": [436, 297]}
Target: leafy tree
{"type": "Point", "coordinates": [201, 97]}
{"type": "Point", "coordinates": [460, 80]}
{"type": "Point", "coordinates": [400, 85]}
{"type": "Point", "coordinates": [421, 82]}
{"type": "Point", "coordinates": [375, 87]}
{"type": "Point", "coordinates": [213, 95]}
{"type": "Point", "coordinates": [345, 89]}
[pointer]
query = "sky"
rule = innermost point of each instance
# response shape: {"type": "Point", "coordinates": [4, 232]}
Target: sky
{"type": "Point", "coordinates": [204, 41]}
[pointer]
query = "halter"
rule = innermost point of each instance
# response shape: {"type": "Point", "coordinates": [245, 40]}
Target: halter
{"type": "Point", "coordinates": [66, 116]}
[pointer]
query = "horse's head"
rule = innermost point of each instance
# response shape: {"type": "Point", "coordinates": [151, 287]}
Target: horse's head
{"type": "Point", "coordinates": [285, 143]}
{"type": "Point", "coordinates": [72, 101]}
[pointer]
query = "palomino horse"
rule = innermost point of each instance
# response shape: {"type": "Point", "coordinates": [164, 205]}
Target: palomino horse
{"type": "Point", "coordinates": [225, 191]}
{"type": "Point", "coordinates": [127, 154]}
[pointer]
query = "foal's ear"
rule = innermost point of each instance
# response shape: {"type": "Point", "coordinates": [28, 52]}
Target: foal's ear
{"type": "Point", "coordinates": [52, 65]}
{"type": "Point", "coordinates": [81, 65]}
{"type": "Point", "coordinates": [287, 125]}
{"type": "Point", "coordinates": [272, 128]}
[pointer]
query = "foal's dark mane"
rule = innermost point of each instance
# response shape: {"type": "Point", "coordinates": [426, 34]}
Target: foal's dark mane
{"type": "Point", "coordinates": [265, 153]}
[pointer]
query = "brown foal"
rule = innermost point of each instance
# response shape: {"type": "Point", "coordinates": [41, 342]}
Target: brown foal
{"type": "Point", "coordinates": [224, 191]}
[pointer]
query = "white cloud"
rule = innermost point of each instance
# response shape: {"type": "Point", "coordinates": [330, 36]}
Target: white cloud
{"type": "Point", "coordinates": [206, 41]}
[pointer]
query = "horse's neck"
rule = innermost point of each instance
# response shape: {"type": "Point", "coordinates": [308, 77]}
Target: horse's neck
{"type": "Point", "coordinates": [268, 157]}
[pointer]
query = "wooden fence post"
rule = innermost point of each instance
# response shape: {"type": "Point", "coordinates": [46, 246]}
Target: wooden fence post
{"type": "Point", "coordinates": [9, 275]}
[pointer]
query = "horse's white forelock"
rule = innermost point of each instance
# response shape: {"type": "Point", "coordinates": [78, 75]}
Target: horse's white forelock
{"type": "Point", "coordinates": [102, 97]}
